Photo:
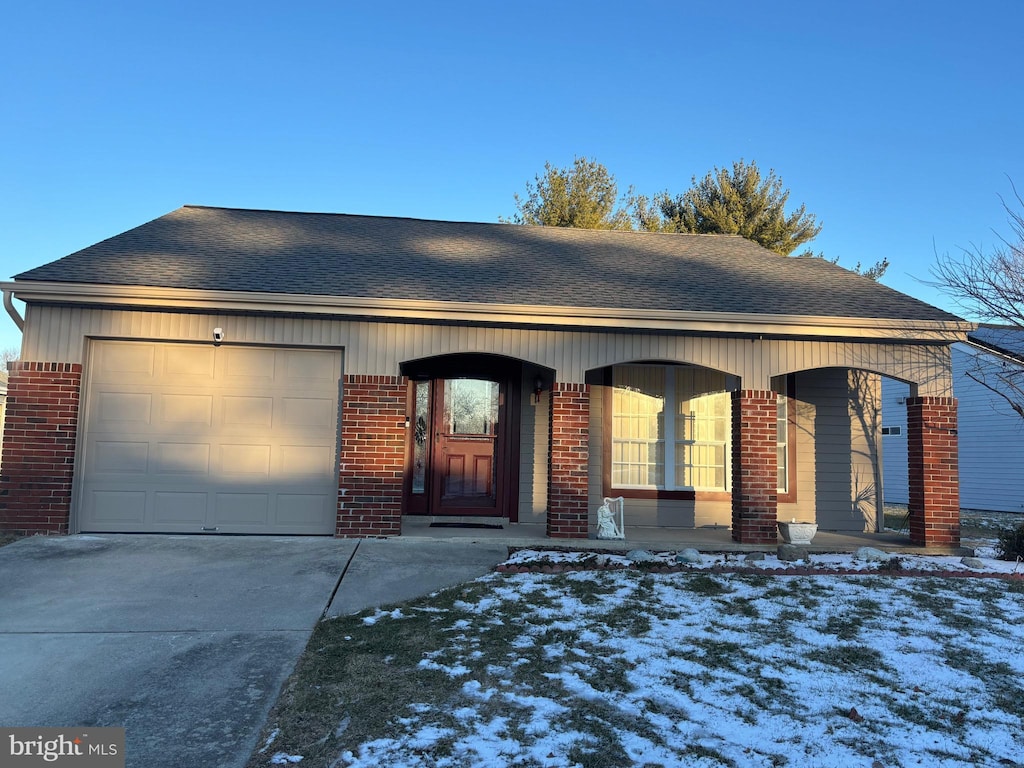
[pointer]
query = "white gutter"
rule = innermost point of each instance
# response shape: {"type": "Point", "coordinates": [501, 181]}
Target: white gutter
{"type": "Point", "coordinates": [470, 312]}
{"type": "Point", "coordinates": [1005, 356]}
{"type": "Point", "coordinates": [11, 309]}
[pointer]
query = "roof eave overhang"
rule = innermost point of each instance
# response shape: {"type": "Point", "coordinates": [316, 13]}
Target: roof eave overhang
{"type": "Point", "coordinates": [145, 297]}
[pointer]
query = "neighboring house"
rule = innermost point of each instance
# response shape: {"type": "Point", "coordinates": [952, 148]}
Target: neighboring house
{"type": "Point", "coordinates": [184, 376]}
{"type": "Point", "coordinates": [991, 433]}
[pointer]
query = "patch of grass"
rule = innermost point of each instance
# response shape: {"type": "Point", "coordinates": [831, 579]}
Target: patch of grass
{"type": "Point", "coordinates": [849, 657]}
{"type": "Point", "coordinates": [739, 606]}
{"type": "Point", "coordinates": [369, 674]}
{"type": "Point", "coordinates": [844, 627]}
{"type": "Point", "coordinates": [603, 752]}
{"type": "Point", "coordinates": [9, 538]}
{"type": "Point", "coordinates": [909, 712]}
{"type": "Point", "coordinates": [756, 580]}
{"type": "Point", "coordinates": [630, 618]}
{"type": "Point", "coordinates": [719, 654]}
{"type": "Point", "coordinates": [706, 753]}
{"type": "Point", "coordinates": [587, 591]}
{"type": "Point", "coordinates": [1002, 683]}
{"type": "Point", "coordinates": [363, 682]}
{"type": "Point", "coordinates": [703, 584]}
{"type": "Point", "coordinates": [945, 607]}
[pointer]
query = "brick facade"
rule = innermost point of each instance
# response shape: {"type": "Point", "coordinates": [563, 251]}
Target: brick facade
{"type": "Point", "coordinates": [933, 471]}
{"type": "Point", "coordinates": [754, 467]}
{"type": "Point", "coordinates": [372, 456]}
{"type": "Point", "coordinates": [40, 432]}
{"type": "Point", "coordinates": [569, 458]}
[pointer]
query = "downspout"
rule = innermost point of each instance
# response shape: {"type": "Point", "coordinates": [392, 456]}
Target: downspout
{"type": "Point", "coordinates": [12, 310]}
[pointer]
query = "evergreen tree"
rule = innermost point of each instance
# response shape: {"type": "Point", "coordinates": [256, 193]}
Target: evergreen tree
{"type": "Point", "coordinates": [584, 195]}
{"type": "Point", "coordinates": [739, 201]}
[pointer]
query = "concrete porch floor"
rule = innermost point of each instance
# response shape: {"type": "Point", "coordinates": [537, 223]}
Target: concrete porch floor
{"type": "Point", "coordinates": [717, 539]}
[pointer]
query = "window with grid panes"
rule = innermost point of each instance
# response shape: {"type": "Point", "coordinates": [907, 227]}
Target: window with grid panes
{"type": "Point", "coordinates": [671, 428]}
{"type": "Point", "coordinates": [780, 387]}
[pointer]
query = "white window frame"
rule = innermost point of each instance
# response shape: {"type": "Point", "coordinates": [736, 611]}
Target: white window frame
{"type": "Point", "coordinates": [669, 440]}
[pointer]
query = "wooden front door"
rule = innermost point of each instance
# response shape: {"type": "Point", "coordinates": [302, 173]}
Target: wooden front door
{"type": "Point", "coordinates": [468, 417]}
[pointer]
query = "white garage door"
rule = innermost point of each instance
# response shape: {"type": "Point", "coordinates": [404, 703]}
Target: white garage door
{"type": "Point", "coordinates": [192, 437]}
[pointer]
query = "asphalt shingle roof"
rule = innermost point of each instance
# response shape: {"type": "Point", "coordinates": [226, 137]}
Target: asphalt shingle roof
{"type": "Point", "coordinates": [394, 258]}
{"type": "Point", "coordinates": [1008, 339]}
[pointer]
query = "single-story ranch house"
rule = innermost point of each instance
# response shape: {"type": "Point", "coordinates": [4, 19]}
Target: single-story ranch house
{"type": "Point", "coordinates": [242, 371]}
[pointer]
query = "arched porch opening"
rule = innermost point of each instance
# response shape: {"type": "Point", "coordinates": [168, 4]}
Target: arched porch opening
{"type": "Point", "coordinates": [471, 434]}
{"type": "Point", "coordinates": [661, 436]}
{"type": "Point", "coordinates": [845, 430]}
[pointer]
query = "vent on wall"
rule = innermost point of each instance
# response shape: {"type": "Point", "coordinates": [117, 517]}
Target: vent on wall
{"type": "Point", "coordinates": [892, 430]}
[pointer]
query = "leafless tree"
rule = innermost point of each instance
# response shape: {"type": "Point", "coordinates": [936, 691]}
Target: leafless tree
{"type": "Point", "coordinates": [988, 285]}
{"type": "Point", "coordinates": [9, 355]}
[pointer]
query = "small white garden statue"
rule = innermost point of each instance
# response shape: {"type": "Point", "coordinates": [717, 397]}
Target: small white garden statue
{"type": "Point", "coordinates": [610, 519]}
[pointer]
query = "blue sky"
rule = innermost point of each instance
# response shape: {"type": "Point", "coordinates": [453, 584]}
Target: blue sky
{"type": "Point", "coordinates": [896, 122]}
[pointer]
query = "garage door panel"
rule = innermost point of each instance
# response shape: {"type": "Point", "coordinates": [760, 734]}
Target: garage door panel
{"type": "Point", "coordinates": [180, 508]}
{"type": "Point", "coordinates": [183, 458]}
{"type": "Point", "coordinates": [123, 410]}
{"type": "Point", "coordinates": [242, 411]}
{"type": "Point", "coordinates": [186, 437]}
{"type": "Point", "coordinates": [136, 361]}
{"type": "Point", "coordinates": [306, 411]}
{"type": "Point", "coordinates": [118, 507]}
{"type": "Point", "coordinates": [120, 457]}
{"type": "Point", "coordinates": [249, 364]}
{"type": "Point", "coordinates": [245, 460]}
{"type": "Point", "coordinates": [304, 509]}
{"type": "Point", "coordinates": [189, 366]}
{"type": "Point", "coordinates": [178, 411]}
{"type": "Point", "coordinates": [242, 509]}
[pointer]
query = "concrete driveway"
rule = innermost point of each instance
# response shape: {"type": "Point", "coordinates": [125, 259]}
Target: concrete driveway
{"type": "Point", "coordinates": [185, 641]}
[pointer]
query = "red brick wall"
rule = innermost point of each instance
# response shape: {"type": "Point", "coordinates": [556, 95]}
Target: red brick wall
{"type": "Point", "coordinates": [569, 457]}
{"type": "Point", "coordinates": [372, 456]}
{"type": "Point", "coordinates": [754, 467]}
{"type": "Point", "coordinates": [933, 471]}
{"type": "Point", "coordinates": [40, 430]}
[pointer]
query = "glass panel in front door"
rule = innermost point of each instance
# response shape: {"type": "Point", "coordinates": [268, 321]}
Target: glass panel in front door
{"type": "Point", "coordinates": [470, 423]}
{"type": "Point", "coordinates": [420, 434]}
{"type": "Point", "coordinates": [470, 407]}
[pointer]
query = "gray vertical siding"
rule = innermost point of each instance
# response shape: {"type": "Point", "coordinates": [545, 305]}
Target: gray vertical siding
{"type": "Point", "coordinates": [533, 455]}
{"type": "Point", "coordinates": [56, 333]}
{"type": "Point", "coordinates": [844, 458]}
{"type": "Point", "coordinates": [991, 439]}
{"type": "Point", "coordinates": [803, 414]}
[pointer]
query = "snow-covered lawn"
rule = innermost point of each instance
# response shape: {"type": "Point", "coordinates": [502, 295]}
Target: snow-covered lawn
{"type": "Point", "coordinates": [699, 668]}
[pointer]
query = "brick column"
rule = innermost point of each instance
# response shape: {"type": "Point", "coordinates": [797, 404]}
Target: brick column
{"type": "Point", "coordinates": [568, 460]}
{"type": "Point", "coordinates": [372, 456]}
{"type": "Point", "coordinates": [754, 467]}
{"type": "Point", "coordinates": [40, 431]}
{"type": "Point", "coordinates": [933, 471]}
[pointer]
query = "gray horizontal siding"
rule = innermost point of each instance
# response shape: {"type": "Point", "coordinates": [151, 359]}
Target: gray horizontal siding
{"type": "Point", "coordinates": [991, 441]}
{"type": "Point", "coordinates": [894, 447]}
